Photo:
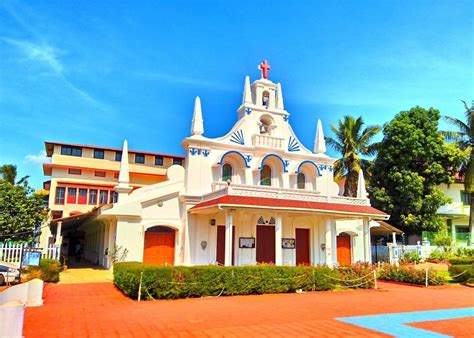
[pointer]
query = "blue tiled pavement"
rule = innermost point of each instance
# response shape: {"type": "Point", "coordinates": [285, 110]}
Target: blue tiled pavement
{"type": "Point", "coordinates": [394, 323]}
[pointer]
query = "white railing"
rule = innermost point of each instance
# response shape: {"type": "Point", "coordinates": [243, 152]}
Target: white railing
{"type": "Point", "coordinates": [221, 189]}
{"type": "Point", "coordinates": [267, 141]}
{"type": "Point", "coordinates": [12, 252]}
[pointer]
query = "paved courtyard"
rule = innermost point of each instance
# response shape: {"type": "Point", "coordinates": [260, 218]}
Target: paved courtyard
{"type": "Point", "coordinates": [100, 310]}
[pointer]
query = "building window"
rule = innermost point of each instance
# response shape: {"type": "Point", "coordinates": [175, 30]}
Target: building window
{"type": "Point", "coordinates": [177, 161]}
{"type": "Point", "coordinates": [74, 171]}
{"type": "Point", "coordinates": [93, 196]}
{"type": "Point", "coordinates": [300, 181]}
{"type": "Point", "coordinates": [60, 192]}
{"type": "Point", "coordinates": [118, 156]}
{"type": "Point", "coordinates": [159, 160]}
{"type": "Point", "coordinates": [100, 173]}
{"type": "Point", "coordinates": [99, 153]}
{"type": "Point", "coordinates": [71, 151]}
{"type": "Point", "coordinates": [82, 199]}
{"type": "Point", "coordinates": [139, 158]}
{"type": "Point", "coordinates": [227, 173]}
{"type": "Point", "coordinates": [266, 175]}
{"type": "Point", "coordinates": [104, 194]}
{"type": "Point", "coordinates": [465, 198]}
{"type": "Point", "coordinates": [71, 195]}
{"type": "Point", "coordinates": [113, 197]}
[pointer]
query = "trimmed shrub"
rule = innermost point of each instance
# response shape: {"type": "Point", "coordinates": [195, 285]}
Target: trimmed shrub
{"type": "Point", "coordinates": [461, 272]}
{"type": "Point", "coordinates": [461, 260]}
{"type": "Point", "coordinates": [408, 274]}
{"type": "Point", "coordinates": [165, 282]}
{"type": "Point", "coordinates": [48, 270]}
{"type": "Point", "coordinates": [410, 257]}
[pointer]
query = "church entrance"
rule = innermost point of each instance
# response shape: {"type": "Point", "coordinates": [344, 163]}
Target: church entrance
{"type": "Point", "coordinates": [302, 247]}
{"type": "Point", "coordinates": [220, 250]}
{"type": "Point", "coordinates": [159, 246]}
{"type": "Point", "coordinates": [265, 244]}
{"type": "Point", "coordinates": [344, 256]}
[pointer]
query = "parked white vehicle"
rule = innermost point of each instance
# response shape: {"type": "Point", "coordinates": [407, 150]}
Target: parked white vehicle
{"type": "Point", "coordinates": [8, 273]}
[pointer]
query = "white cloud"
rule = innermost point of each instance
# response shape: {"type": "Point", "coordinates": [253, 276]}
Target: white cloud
{"type": "Point", "coordinates": [40, 158]}
{"type": "Point", "coordinates": [42, 53]}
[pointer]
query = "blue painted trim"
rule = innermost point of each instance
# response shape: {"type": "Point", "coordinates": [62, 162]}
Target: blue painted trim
{"type": "Point", "coordinates": [237, 153]}
{"type": "Point", "coordinates": [238, 137]}
{"type": "Point", "coordinates": [311, 162]}
{"type": "Point", "coordinates": [394, 323]}
{"type": "Point", "coordinates": [283, 162]}
{"type": "Point", "coordinates": [293, 144]}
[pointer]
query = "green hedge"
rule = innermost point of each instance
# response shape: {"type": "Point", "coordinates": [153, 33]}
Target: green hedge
{"type": "Point", "coordinates": [461, 272]}
{"type": "Point", "coordinates": [200, 281]}
{"type": "Point", "coordinates": [408, 274]}
{"type": "Point", "coordinates": [461, 260]}
{"type": "Point", "coordinates": [48, 270]}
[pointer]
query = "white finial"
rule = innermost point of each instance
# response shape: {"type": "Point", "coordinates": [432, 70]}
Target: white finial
{"type": "Point", "coordinates": [247, 97]}
{"type": "Point", "coordinates": [123, 188]}
{"type": "Point", "coordinates": [280, 104]}
{"type": "Point", "coordinates": [361, 190]}
{"type": "Point", "coordinates": [319, 141]}
{"type": "Point", "coordinates": [198, 123]}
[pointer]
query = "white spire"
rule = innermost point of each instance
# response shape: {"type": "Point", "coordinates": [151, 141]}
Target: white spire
{"type": "Point", "coordinates": [247, 97]}
{"type": "Point", "coordinates": [319, 142]}
{"type": "Point", "coordinates": [198, 123]}
{"type": "Point", "coordinates": [123, 188]}
{"type": "Point", "coordinates": [361, 190]}
{"type": "Point", "coordinates": [280, 104]}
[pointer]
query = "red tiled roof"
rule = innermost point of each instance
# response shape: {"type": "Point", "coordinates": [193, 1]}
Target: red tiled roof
{"type": "Point", "coordinates": [276, 203]}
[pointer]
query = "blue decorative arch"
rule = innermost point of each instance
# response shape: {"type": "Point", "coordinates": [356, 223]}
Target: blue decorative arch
{"type": "Point", "coordinates": [308, 161]}
{"type": "Point", "coordinates": [283, 162]}
{"type": "Point", "coordinates": [246, 159]}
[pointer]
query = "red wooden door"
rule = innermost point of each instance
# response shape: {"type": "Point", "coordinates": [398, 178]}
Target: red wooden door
{"type": "Point", "coordinates": [159, 248]}
{"type": "Point", "coordinates": [344, 250]}
{"type": "Point", "coordinates": [220, 247]}
{"type": "Point", "coordinates": [265, 244]}
{"type": "Point", "coordinates": [302, 247]}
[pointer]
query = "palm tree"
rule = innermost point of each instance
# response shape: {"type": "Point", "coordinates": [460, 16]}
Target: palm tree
{"type": "Point", "coordinates": [463, 137]}
{"type": "Point", "coordinates": [8, 174]}
{"type": "Point", "coordinates": [351, 141]}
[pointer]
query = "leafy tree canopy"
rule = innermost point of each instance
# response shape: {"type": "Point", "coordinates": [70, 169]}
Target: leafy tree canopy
{"type": "Point", "coordinates": [21, 210]}
{"type": "Point", "coordinates": [413, 160]}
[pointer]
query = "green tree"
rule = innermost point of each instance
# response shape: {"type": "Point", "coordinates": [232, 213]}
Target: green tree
{"type": "Point", "coordinates": [21, 211]}
{"type": "Point", "coordinates": [8, 174]}
{"type": "Point", "coordinates": [352, 141]}
{"type": "Point", "coordinates": [413, 160]}
{"type": "Point", "coordinates": [463, 138]}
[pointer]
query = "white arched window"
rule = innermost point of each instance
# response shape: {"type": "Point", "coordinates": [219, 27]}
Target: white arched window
{"type": "Point", "coordinates": [227, 173]}
{"type": "Point", "coordinates": [301, 181]}
{"type": "Point", "coordinates": [266, 175]}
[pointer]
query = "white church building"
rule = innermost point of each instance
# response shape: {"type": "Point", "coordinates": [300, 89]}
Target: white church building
{"type": "Point", "coordinates": [255, 195]}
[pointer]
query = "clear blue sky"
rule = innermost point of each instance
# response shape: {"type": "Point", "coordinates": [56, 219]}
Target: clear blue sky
{"type": "Point", "coordinates": [96, 72]}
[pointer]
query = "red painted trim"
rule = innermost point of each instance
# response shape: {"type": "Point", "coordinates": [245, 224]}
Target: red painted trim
{"type": "Point", "coordinates": [133, 173]}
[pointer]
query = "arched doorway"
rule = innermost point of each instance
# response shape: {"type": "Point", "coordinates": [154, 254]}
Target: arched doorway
{"type": "Point", "coordinates": [344, 250]}
{"type": "Point", "coordinates": [159, 246]}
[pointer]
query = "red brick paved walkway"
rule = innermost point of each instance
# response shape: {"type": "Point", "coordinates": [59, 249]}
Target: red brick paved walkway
{"type": "Point", "coordinates": [100, 310]}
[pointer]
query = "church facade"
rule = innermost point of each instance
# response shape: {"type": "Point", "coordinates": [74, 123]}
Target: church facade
{"type": "Point", "coordinates": [255, 195]}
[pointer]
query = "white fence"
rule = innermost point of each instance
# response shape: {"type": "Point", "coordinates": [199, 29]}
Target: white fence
{"type": "Point", "coordinates": [12, 252]}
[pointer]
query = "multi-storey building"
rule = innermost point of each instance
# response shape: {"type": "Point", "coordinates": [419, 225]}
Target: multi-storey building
{"type": "Point", "coordinates": [83, 176]}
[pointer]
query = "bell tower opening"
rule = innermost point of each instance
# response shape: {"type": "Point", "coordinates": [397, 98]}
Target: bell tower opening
{"type": "Point", "coordinates": [265, 99]}
{"type": "Point", "coordinates": [266, 125]}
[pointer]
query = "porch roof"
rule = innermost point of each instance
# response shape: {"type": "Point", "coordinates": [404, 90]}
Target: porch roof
{"type": "Point", "coordinates": [288, 205]}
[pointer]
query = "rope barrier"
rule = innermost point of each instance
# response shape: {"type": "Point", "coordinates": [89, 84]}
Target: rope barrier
{"type": "Point", "coordinates": [349, 280]}
{"type": "Point", "coordinates": [462, 273]}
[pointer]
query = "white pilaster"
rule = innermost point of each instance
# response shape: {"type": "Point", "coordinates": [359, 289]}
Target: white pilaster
{"type": "Point", "coordinates": [394, 238]}
{"type": "Point", "coordinates": [247, 96]}
{"type": "Point", "coordinates": [278, 238]}
{"type": "Point", "coordinates": [329, 234]}
{"type": "Point", "coordinates": [228, 238]}
{"type": "Point", "coordinates": [58, 233]}
{"type": "Point", "coordinates": [316, 243]}
{"type": "Point", "coordinates": [319, 141]}
{"type": "Point", "coordinates": [366, 234]}
{"type": "Point", "coordinates": [197, 127]}
{"type": "Point", "coordinates": [361, 190]}
{"type": "Point", "coordinates": [123, 187]}
{"type": "Point", "coordinates": [280, 104]}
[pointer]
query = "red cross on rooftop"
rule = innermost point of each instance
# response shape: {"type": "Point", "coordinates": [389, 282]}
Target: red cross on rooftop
{"type": "Point", "coordinates": [264, 67]}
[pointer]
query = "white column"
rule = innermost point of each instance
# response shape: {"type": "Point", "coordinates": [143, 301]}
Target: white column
{"type": "Point", "coordinates": [278, 237]}
{"type": "Point", "coordinates": [366, 233]}
{"type": "Point", "coordinates": [394, 238]}
{"type": "Point", "coordinates": [228, 238]}
{"type": "Point", "coordinates": [187, 235]}
{"type": "Point", "coordinates": [453, 232]}
{"type": "Point", "coordinates": [58, 233]}
{"type": "Point", "coordinates": [316, 243]}
{"type": "Point", "coordinates": [329, 242]}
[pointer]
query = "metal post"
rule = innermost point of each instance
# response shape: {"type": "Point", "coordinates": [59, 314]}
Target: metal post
{"type": "Point", "coordinates": [426, 277]}
{"type": "Point", "coordinates": [140, 286]}
{"type": "Point", "coordinates": [375, 279]}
